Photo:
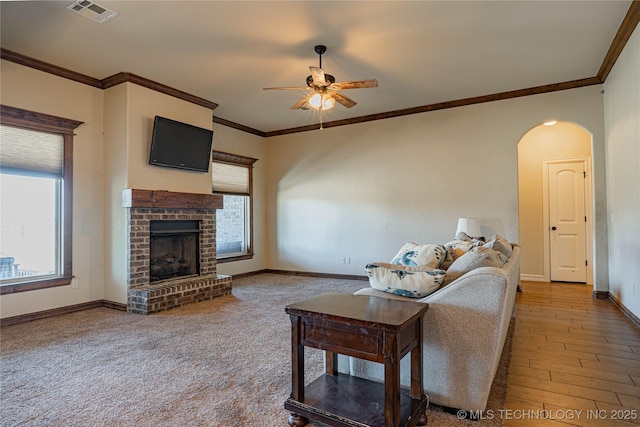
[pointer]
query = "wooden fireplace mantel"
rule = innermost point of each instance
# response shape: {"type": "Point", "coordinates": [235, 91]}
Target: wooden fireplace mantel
{"type": "Point", "coordinates": [161, 199]}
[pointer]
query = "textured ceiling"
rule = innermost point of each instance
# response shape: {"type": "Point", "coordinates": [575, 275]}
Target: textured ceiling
{"type": "Point", "coordinates": [421, 52]}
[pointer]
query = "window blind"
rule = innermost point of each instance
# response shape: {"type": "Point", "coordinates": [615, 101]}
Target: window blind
{"type": "Point", "coordinates": [230, 178]}
{"type": "Point", "coordinates": [29, 151]}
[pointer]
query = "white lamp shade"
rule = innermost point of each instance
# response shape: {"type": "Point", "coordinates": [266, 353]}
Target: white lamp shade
{"type": "Point", "coordinates": [470, 226]}
{"type": "Point", "coordinates": [321, 101]}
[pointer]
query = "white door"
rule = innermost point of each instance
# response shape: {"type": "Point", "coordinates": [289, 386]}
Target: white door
{"type": "Point", "coordinates": [567, 222]}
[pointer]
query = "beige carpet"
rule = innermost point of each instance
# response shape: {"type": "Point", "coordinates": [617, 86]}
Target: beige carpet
{"type": "Point", "coordinates": [224, 362]}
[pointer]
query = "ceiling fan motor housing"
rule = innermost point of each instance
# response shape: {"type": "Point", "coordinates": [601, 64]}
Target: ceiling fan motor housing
{"type": "Point", "coordinates": [320, 49]}
{"type": "Point", "coordinates": [328, 77]}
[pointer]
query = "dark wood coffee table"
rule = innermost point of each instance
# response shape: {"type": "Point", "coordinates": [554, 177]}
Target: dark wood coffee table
{"type": "Point", "coordinates": [371, 328]}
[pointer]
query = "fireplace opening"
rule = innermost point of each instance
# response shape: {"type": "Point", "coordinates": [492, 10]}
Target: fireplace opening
{"type": "Point", "coordinates": [174, 249]}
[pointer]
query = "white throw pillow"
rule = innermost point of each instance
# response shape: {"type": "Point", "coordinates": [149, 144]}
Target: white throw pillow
{"type": "Point", "coordinates": [416, 255]}
{"type": "Point", "coordinates": [412, 282]}
{"type": "Point", "coordinates": [500, 244]}
{"type": "Point", "coordinates": [475, 258]}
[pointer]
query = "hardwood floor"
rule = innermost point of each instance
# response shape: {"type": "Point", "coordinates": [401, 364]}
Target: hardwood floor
{"type": "Point", "coordinates": [575, 360]}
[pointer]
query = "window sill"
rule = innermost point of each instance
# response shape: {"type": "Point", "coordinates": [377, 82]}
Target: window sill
{"type": "Point", "coordinates": [222, 260]}
{"type": "Point", "coordinates": [12, 288]}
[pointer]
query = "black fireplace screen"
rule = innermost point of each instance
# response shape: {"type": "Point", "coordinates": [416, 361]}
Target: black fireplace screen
{"type": "Point", "coordinates": [174, 249]}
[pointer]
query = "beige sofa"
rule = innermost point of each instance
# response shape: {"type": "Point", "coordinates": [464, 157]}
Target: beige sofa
{"type": "Point", "coordinates": [464, 333]}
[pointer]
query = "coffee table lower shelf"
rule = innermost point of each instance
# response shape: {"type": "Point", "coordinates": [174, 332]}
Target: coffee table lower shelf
{"type": "Point", "coordinates": [344, 400]}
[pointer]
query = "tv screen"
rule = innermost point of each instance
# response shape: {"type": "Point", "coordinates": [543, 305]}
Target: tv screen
{"type": "Point", "coordinates": [179, 145]}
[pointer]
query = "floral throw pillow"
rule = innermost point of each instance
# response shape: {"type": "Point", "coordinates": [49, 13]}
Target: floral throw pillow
{"type": "Point", "coordinates": [459, 247]}
{"type": "Point", "coordinates": [416, 255]}
{"type": "Point", "coordinates": [412, 282]}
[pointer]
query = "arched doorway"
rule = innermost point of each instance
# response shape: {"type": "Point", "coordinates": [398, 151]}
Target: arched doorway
{"type": "Point", "coordinates": [548, 150]}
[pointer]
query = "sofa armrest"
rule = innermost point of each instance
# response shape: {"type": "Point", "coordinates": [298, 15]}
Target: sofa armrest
{"type": "Point", "coordinates": [464, 333]}
{"type": "Point", "coordinates": [465, 329]}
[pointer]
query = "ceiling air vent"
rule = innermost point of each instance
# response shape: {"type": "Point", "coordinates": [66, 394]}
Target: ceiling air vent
{"type": "Point", "coordinates": [92, 10]}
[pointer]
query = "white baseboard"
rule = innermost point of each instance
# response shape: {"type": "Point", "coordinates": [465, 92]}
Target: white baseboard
{"type": "Point", "coordinates": [533, 278]}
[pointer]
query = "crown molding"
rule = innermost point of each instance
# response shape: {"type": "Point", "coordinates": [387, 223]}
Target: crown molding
{"type": "Point", "coordinates": [106, 83]}
{"type": "Point", "coordinates": [228, 123]}
{"type": "Point", "coordinates": [445, 105]}
{"type": "Point", "coordinates": [124, 77]}
{"type": "Point", "coordinates": [627, 27]}
{"type": "Point", "coordinates": [37, 64]}
{"type": "Point", "coordinates": [629, 24]}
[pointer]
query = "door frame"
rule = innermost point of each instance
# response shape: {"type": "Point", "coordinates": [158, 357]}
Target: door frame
{"type": "Point", "coordinates": [588, 201]}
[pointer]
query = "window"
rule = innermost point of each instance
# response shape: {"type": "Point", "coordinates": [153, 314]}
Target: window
{"type": "Point", "coordinates": [35, 200]}
{"type": "Point", "coordinates": [232, 178]}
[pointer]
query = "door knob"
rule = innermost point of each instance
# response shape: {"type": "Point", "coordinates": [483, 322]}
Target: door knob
{"type": "Point", "coordinates": [553, 228]}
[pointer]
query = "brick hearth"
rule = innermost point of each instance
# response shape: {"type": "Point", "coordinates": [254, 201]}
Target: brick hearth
{"type": "Point", "coordinates": [144, 206]}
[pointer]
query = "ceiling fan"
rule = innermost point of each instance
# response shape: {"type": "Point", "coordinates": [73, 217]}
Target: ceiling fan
{"type": "Point", "coordinates": [323, 89]}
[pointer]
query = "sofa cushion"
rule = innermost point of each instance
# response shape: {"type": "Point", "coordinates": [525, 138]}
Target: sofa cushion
{"type": "Point", "coordinates": [414, 254]}
{"type": "Point", "coordinates": [475, 258]}
{"type": "Point", "coordinates": [407, 281]}
{"type": "Point", "coordinates": [500, 244]}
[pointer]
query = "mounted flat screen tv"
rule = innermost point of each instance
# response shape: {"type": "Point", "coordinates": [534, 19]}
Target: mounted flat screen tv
{"type": "Point", "coordinates": [180, 145]}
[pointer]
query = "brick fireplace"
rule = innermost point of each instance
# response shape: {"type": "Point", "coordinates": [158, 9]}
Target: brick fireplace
{"type": "Point", "coordinates": [146, 296]}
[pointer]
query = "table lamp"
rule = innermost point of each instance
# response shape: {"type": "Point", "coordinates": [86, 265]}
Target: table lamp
{"type": "Point", "coordinates": [470, 226]}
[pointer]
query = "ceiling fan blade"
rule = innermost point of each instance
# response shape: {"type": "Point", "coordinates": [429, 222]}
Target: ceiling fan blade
{"type": "Point", "coordinates": [344, 100]}
{"type": "Point", "coordinates": [302, 102]}
{"type": "Point", "coordinates": [354, 84]}
{"type": "Point", "coordinates": [318, 76]}
{"type": "Point", "coordinates": [286, 88]}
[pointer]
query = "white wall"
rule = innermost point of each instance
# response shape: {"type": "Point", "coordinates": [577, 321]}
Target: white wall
{"type": "Point", "coordinates": [143, 105]}
{"type": "Point", "coordinates": [361, 191]}
{"type": "Point", "coordinates": [622, 127]}
{"type": "Point", "coordinates": [115, 179]}
{"type": "Point", "coordinates": [34, 90]}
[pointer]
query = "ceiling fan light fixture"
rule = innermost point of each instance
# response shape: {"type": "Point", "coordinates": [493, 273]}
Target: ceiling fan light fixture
{"type": "Point", "coordinates": [315, 101]}
{"type": "Point", "coordinates": [322, 101]}
{"type": "Point", "coordinates": [328, 102]}
{"type": "Point", "coordinates": [321, 92]}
